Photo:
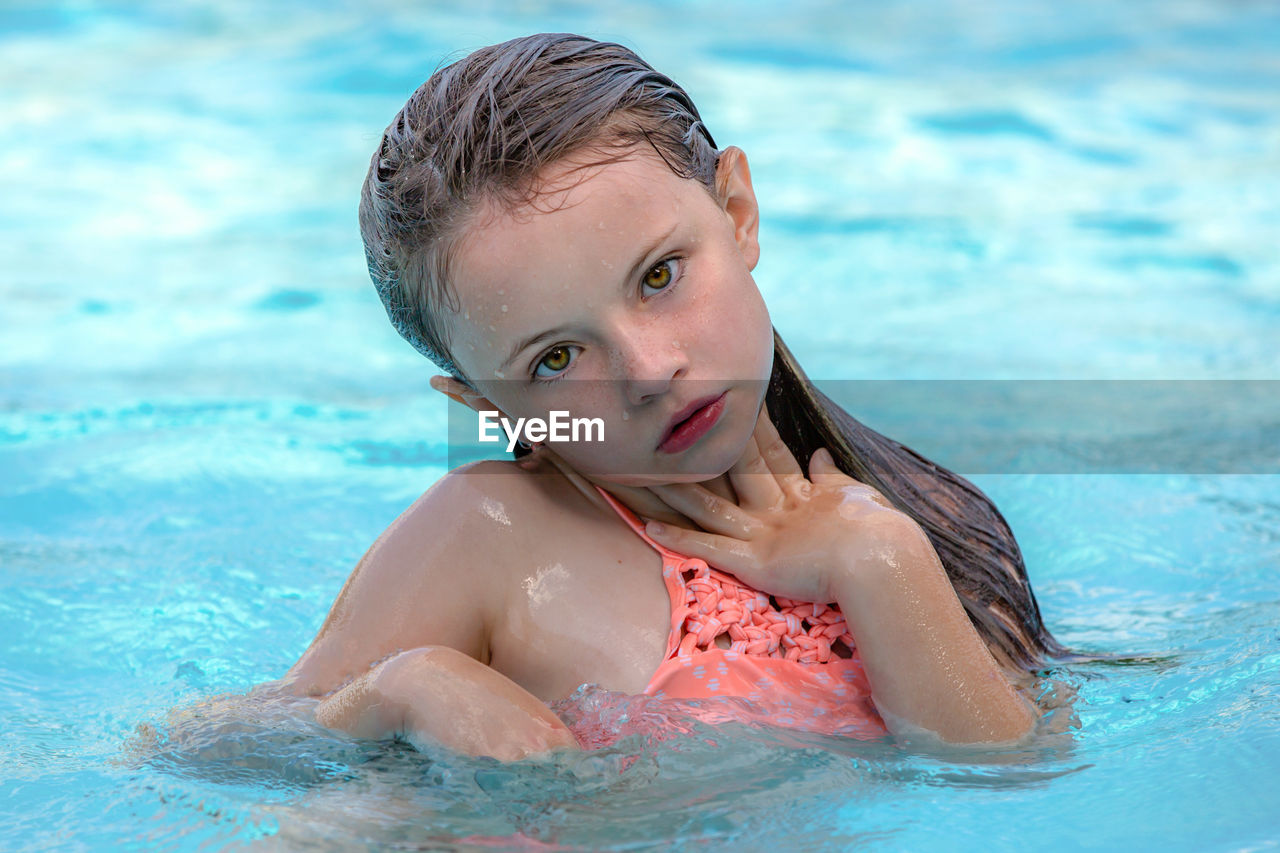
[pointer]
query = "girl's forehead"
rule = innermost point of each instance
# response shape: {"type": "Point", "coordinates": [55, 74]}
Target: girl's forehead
{"type": "Point", "coordinates": [578, 210]}
{"type": "Point", "coordinates": [521, 270]}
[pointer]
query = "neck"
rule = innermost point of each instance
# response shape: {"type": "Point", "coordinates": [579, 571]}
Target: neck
{"type": "Point", "coordinates": [641, 500]}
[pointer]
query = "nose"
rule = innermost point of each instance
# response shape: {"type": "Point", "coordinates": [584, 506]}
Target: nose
{"type": "Point", "coordinates": [649, 358]}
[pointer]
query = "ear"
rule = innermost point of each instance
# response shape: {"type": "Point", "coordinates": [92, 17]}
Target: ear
{"type": "Point", "coordinates": [462, 393]}
{"type": "Point", "coordinates": [738, 200]}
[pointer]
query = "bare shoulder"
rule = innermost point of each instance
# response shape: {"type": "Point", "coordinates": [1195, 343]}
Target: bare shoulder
{"type": "Point", "coordinates": [435, 576]}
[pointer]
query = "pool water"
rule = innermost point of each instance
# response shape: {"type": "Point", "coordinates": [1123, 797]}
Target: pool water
{"type": "Point", "coordinates": [205, 417]}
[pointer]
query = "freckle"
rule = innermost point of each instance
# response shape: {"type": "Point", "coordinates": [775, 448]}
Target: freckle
{"type": "Point", "coordinates": [504, 309]}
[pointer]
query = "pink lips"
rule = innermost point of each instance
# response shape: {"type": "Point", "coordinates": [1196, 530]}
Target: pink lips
{"type": "Point", "coordinates": [692, 423]}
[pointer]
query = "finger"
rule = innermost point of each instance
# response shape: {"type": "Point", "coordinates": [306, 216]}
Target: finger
{"type": "Point", "coordinates": [708, 510]}
{"type": "Point", "coordinates": [777, 455]}
{"type": "Point", "coordinates": [823, 469]}
{"type": "Point", "coordinates": [727, 554]}
{"type": "Point", "coordinates": [752, 480]}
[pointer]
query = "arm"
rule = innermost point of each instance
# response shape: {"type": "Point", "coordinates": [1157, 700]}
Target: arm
{"type": "Point", "coordinates": [927, 665]}
{"type": "Point", "coordinates": [439, 695]}
{"type": "Point", "coordinates": [403, 649]}
{"type": "Point", "coordinates": [830, 538]}
{"type": "Point", "coordinates": [425, 581]}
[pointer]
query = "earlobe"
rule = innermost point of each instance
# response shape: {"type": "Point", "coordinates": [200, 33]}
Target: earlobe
{"type": "Point", "coordinates": [461, 392]}
{"type": "Point", "coordinates": [738, 200]}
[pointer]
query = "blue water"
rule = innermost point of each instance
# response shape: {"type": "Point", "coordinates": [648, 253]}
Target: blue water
{"type": "Point", "coordinates": [205, 417]}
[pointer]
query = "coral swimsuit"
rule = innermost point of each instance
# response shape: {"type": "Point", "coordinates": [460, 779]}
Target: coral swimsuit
{"type": "Point", "coordinates": [779, 657]}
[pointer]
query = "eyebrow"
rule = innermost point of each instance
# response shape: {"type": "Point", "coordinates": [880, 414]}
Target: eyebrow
{"type": "Point", "coordinates": [524, 343]}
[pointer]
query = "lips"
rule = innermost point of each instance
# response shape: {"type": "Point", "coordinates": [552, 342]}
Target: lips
{"type": "Point", "coordinates": [691, 423]}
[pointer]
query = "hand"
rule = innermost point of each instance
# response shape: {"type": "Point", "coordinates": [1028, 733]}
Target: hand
{"type": "Point", "coordinates": [435, 694]}
{"type": "Point", "coordinates": [787, 535]}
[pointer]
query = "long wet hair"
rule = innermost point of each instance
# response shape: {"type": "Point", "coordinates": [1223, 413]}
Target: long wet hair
{"type": "Point", "coordinates": [484, 127]}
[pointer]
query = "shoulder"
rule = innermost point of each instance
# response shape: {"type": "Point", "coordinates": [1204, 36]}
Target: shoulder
{"type": "Point", "coordinates": [473, 518]}
{"type": "Point", "coordinates": [476, 495]}
{"type": "Point", "coordinates": [435, 576]}
{"type": "Point", "coordinates": [492, 501]}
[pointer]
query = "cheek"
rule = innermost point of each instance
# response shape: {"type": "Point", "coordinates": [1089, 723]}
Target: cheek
{"type": "Point", "coordinates": [748, 331]}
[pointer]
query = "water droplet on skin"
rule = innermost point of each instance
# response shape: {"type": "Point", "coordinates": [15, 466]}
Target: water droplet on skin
{"type": "Point", "coordinates": [496, 511]}
{"type": "Point", "coordinates": [504, 309]}
{"type": "Point", "coordinates": [501, 292]}
{"type": "Point", "coordinates": [499, 374]}
{"type": "Point", "coordinates": [491, 328]}
{"type": "Point", "coordinates": [626, 416]}
{"type": "Point", "coordinates": [466, 315]}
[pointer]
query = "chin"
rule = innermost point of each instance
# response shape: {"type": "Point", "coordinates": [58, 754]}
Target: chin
{"type": "Point", "coordinates": [715, 462]}
{"type": "Point", "coordinates": [701, 471]}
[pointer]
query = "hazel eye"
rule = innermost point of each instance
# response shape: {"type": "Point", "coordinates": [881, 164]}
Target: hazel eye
{"type": "Point", "coordinates": [556, 360]}
{"type": "Point", "coordinates": [660, 275]}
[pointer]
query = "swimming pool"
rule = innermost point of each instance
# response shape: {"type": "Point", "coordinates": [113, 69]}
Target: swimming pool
{"type": "Point", "coordinates": [206, 418]}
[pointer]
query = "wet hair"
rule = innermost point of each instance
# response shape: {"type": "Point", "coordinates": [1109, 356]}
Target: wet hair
{"type": "Point", "coordinates": [484, 127]}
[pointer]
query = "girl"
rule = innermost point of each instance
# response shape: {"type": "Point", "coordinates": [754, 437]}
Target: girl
{"type": "Point", "coordinates": [550, 222]}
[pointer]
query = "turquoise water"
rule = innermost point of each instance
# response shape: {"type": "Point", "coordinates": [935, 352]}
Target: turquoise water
{"type": "Point", "coordinates": [205, 417]}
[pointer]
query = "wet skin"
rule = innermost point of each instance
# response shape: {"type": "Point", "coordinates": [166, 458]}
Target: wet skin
{"type": "Point", "coordinates": [520, 570]}
{"type": "Point", "coordinates": [522, 567]}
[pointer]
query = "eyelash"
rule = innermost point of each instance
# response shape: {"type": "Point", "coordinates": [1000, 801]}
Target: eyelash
{"type": "Point", "coordinates": [677, 275]}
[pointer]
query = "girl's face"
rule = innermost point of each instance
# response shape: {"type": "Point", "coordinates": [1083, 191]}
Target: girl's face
{"type": "Point", "coordinates": [624, 292]}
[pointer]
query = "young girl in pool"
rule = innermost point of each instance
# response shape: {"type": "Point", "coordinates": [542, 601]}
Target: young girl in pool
{"type": "Point", "coordinates": [551, 223]}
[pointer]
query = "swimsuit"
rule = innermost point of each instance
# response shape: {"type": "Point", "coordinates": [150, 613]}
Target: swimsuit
{"type": "Point", "coordinates": [779, 657]}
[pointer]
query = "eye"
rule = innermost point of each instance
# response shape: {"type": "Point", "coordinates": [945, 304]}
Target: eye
{"type": "Point", "coordinates": [556, 359]}
{"type": "Point", "coordinates": [662, 274]}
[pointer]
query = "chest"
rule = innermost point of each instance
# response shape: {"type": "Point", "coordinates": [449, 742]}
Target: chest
{"type": "Point", "coordinates": [587, 605]}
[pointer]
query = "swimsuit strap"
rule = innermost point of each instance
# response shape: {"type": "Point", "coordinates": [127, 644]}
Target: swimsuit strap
{"type": "Point", "coordinates": [633, 521]}
{"type": "Point", "coordinates": [711, 603]}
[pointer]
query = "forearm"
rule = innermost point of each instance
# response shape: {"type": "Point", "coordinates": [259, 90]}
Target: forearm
{"type": "Point", "coordinates": [927, 664]}
{"type": "Point", "coordinates": [440, 695]}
